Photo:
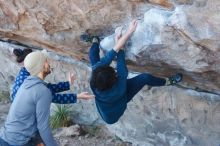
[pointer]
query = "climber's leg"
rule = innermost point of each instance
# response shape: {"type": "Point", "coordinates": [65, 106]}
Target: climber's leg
{"type": "Point", "coordinates": [134, 85]}
{"type": "Point", "coordinates": [94, 50]}
{"type": "Point", "coordinates": [174, 79]}
{"type": "Point", "coordinates": [94, 53]}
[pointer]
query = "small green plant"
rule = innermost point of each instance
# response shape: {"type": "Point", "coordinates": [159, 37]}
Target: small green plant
{"type": "Point", "coordinates": [61, 117]}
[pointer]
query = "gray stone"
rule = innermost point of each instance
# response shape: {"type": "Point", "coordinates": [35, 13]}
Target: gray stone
{"type": "Point", "coordinates": [68, 131]}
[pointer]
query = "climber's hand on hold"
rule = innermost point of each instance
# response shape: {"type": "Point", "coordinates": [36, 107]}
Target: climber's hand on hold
{"type": "Point", "coordinates": [132, 27]}
{"type": "Point", "coordinates": [121, 42]}
{"type": "Point", "coordinates": [118, 33]}
{"type": "Point", "coordinates": [85, 95]}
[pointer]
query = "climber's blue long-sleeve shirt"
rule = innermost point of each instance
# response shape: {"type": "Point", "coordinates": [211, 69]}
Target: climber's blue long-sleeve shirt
{"type": "Point", "coordinates": [112, 103]}
{"type": "Point", "coordinates": [55, 89]}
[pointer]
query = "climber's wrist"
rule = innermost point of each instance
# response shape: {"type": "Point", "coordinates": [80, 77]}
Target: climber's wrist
{"type": "Point", "coordinates": [129, 33]}
{"type": "Point", "coordinates": [116, 49]}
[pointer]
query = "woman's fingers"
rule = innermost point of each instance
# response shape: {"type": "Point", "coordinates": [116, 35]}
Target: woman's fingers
{"type": "Point", "coordinates": [85, 95]}
{"type": "Point", "coordinates": [71, 77]}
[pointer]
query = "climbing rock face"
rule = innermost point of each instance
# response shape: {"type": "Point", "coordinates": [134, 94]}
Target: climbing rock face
{"type": "Point", "coordinates": [171, 116]}
{"type": "Point", "coordinates": [57, 25]}
{"type": "Point", "coordinates": [175, 40]}
{"type": "Point", "coordinates": [158, 116]}
{"type": "Point", "coordinates": [8, 68]}
{"type": "Point", "coordinates": [172, 36]}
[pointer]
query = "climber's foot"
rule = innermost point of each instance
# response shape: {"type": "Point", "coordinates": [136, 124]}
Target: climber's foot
{"type": "Point", "coordinates": [175, 79]}
{"type": "Point", "coordinates": [85, 37]}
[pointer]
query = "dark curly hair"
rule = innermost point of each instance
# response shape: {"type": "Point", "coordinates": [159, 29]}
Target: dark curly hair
{"type": "Point", "coordinates": [103, 78]}
{"type": "Point", "coordinates": [21, 54]}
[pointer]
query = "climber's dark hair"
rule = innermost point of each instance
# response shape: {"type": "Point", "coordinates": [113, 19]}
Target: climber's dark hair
{"type": "Point", "coordinates": [21, 54]}
{"type": "Point", "coordinates": [103, 78]}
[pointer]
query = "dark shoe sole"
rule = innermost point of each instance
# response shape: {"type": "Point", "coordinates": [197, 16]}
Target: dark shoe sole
{"type": "Point", "coordinates": [88, 38]}
{"type": "Point", "coordinates": [176, 78]}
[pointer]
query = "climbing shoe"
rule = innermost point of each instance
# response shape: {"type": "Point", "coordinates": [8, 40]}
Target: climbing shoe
{"type": "Point", "coordinates": [175, 79]}
{"type": "Point", "coordinates": [89, 38]}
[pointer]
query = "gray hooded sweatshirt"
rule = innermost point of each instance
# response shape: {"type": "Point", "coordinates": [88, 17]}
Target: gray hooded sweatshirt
{"type": "Point", "coordinates": [29, 113]}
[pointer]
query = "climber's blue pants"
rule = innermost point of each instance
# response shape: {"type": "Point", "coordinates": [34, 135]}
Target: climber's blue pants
{"type": "Point", "coordinates": [94, 53]}
{"type": "Point", "coordinates": [135, 84]}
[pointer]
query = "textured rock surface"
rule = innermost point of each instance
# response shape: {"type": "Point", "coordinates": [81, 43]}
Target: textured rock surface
{"type": "Point", "coordinates": [177, 41]}
{"type": "Point", "coordinates": [159, 116]}
{"type": "Point", "coordinates": [58, 25]}
{"type": "Point", "coordinates": [171, 116]}
{"type": "Point", "coordinates": [172, 36]}
{"type": "Point", "coordinates": [90, 136]}
{"type": "Point", "coordinates": [68, 131]}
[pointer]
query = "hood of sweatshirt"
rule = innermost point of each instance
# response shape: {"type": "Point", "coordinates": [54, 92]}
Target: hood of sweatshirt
{"type": "Point", "coordinates": [32, 81]}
